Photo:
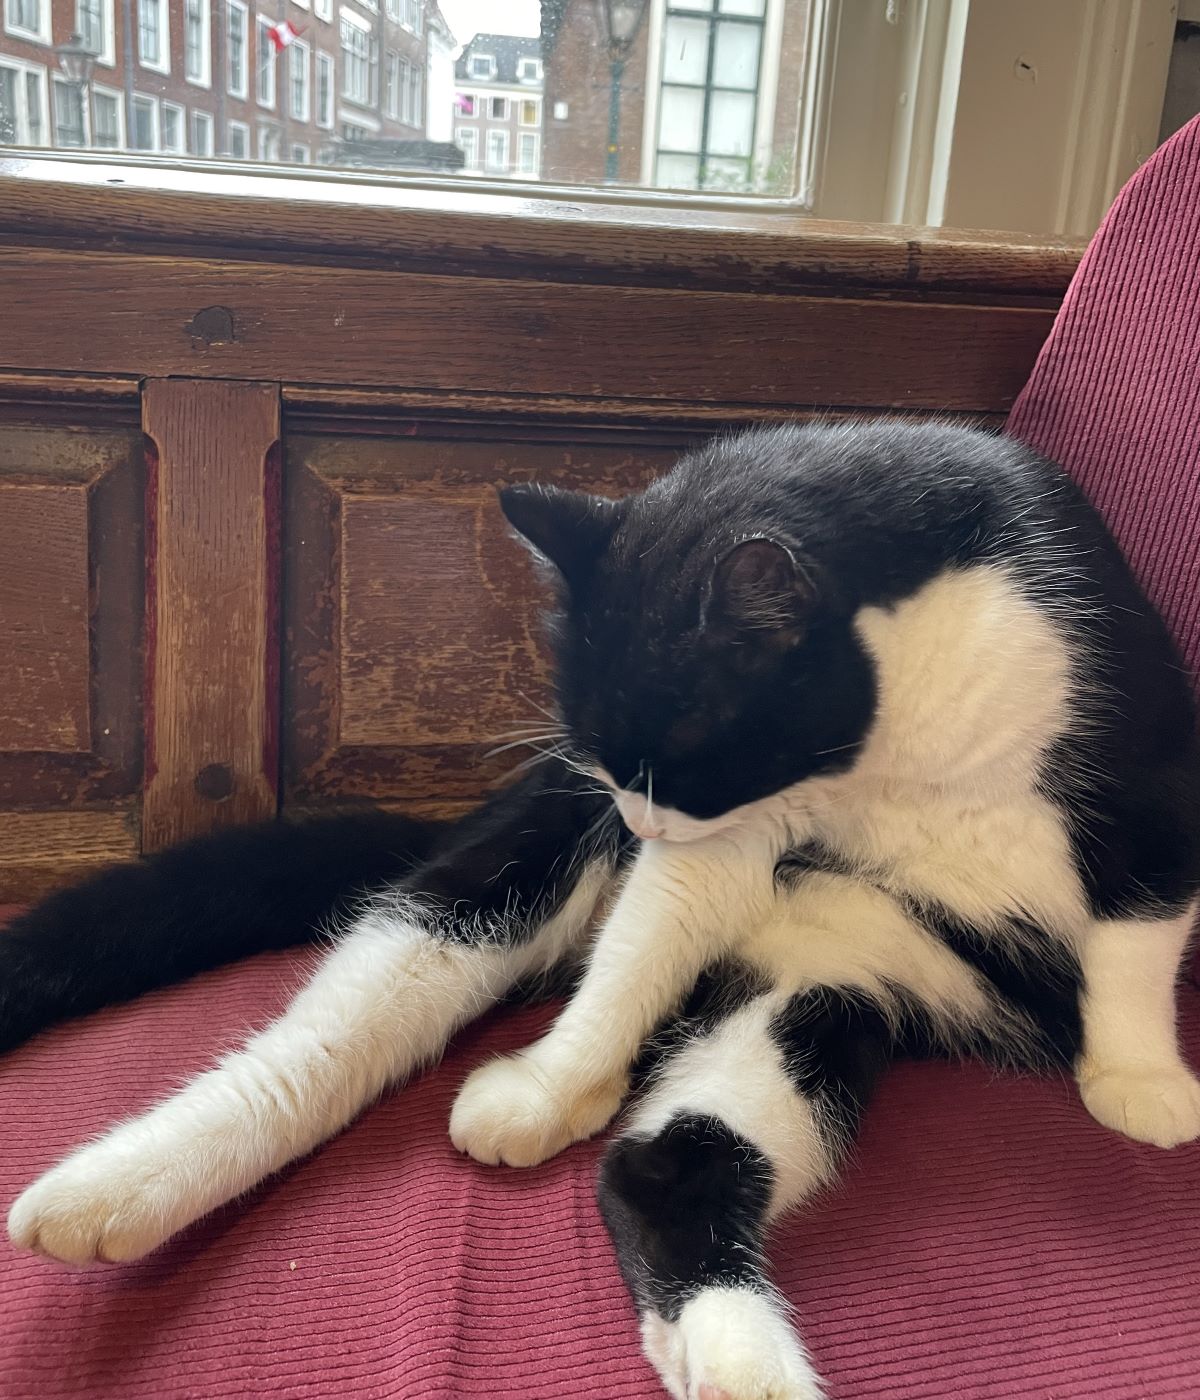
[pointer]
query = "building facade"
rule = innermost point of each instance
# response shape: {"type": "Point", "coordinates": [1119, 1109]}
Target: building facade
{"type": "Point", "coordinates": [708, 97]}
{"type": "Point", "coordinates": [498, 105]}
{"type": "Point", "coordinates": [208, 78]}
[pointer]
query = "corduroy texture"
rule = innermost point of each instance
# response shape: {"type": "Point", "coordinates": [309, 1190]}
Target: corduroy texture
{"type": "Point", "coordinates": [990, 1241]}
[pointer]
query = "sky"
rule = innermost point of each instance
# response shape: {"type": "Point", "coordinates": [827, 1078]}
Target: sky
{"type": "Point", "coordinates": [467, 18]}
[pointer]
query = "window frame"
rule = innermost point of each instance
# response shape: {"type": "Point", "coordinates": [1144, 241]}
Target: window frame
{"type": "Point", "coordinates": [536, 138]}
{"type": "Point", "coordinates": [489, 76]}
{"type": "Point", "coordinates": [155, 129]}
{"type": "Point", "coordinates": [330, 63]}
{"type": "Point", "coordinates": [241, 8]}
{"type": "Point", "coordinates": [199, 117]}
{"type": "Point", "coordinates": [471, 161]}
{"type": "Point", "coordinates": [163, 64]}
{"type": "Point", "coordinates": [177, 110]}
{"type": "Point", "coordinates": [59, 84]}
{"type": "Point", "coordinates": [25, 70]}
{"type": "Point", "coordinates": [117, 98]}
{"type": "Point", "coordinates": [40, 35]}
{"type": "Point", "coordinates": [304, 114]}
{"type": "Point", "coordinates": [349, 22]}
{"type": "Point", "coordinates": [264, 48]}
{"type": "Point", "coordinates": [500, 136]}
{"type": "Point", "coordinates": [204, 78]}
{"type": "Point", "coordinates": [106, 56]}
{"type": "Point", "coordinates": [243, 129]}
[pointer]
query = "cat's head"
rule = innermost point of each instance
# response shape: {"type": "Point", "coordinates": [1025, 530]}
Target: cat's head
{"type": "Point", "coordinates": [705, 660]}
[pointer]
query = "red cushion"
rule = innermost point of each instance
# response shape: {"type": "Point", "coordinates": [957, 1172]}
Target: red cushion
{"type": "Point", "coordinates": [990, 1241]}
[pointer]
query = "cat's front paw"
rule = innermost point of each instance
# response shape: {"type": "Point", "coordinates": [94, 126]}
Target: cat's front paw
{"type": "Point", "coordinates": [730, 1344]}
{"type": "Point", "coordinates": [100, 1205]}
{"type": "Point", "coordinates": [509, 1111]}
{"type": "Point", "coordinates": [1159, 1104]}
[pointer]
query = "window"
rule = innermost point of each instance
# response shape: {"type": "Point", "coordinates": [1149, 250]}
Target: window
{"type": "Point", "coordinates": [22, 103]}
{"type": "Point", "coordinates": [237, 66]}
{"type": "Point", "coordinates": [351, 131]}
{"type": "Point", "coordinates": [264, 70]}
{"type": "Point", "coordinates": [391, 84]}
{"type": "Point", "coordinates": [172, 128]}
{"type": "Point", "coordinates": [107, 113]}
{"type": "Point", "coordinates": [239, 140]}
{"type": "Point", "coordinates": [466, 138]}
{"type": "Point", "coordinates": [154, 40]}
{"type": "Point", "coordinates": [356, 61]}
{"type": "Point", "coordinates": [481, 65]}
{"type": "Point", "coordinates": [497, 150]}
{"type": "Point", "coordinates": [94, 25]}
{"type": "Point", "coordinates": [324, 90]}
{"type": "Point", "coordinates": [708, 101]}
{"type": "Point", "coordinates": [144, 136]}
{"type": "Point", "coordinates": [404, 92]}
{"type": "Point", "coordinates": [392, 9]}
{"type": "Point", "coordinates": [299, 71]}
{"type": "Point", "coordinates": [410, 15]}
{"type": "Point", "coordinates": [529, 70]}
{"type": "Point", "coordinates": [28, 18]}
{"type": "Point", "coordinates": [300, 155]}
{"type": "Point", "coordinates": [197, 46]}
{"type": "Point", "coordinates": [464, 104]}
{"type": "Point", "coordinates": [498, 109]}
{"type": "Point", "coordinates": [531, 113]}
{"type": "Point", "coordinates": [527, 153]}
{"type": "Point", "coordinates": [68, 114]}
{"type": "Point", "coordinates": [268, 141]}
{"type": "Point", "coordinates": [202, 134]}
{"type": "Point", "coordinates": [323, 9]}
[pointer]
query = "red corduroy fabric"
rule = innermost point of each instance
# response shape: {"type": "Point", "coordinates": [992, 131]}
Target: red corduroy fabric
{"type": "Point", "coordinates": [990, 1242]}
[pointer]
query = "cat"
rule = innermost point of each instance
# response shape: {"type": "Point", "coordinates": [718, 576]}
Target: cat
{"type": "Point", "coordinates": [867, 745]}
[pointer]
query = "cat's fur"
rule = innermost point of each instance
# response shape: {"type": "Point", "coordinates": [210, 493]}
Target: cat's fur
{"type": "Point", "coordinates": [915, 767]}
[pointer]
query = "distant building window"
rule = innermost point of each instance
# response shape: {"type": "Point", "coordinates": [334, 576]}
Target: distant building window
{"type": "Point", "coordinates": [527, 153]}
{"type": "Point", "coordinates": [264, 82]}
{"type": "Point", "coordinates": [497, 150]}
{"type": "Point", "coordinates": [412, 96]}
{"type": "Point", "coordinates": [531, 113]}
{"type": "Point", "coordinates": [172, 128]}
{"type": "Point", "coordinates": [202, 134]}
{"type": "Point", "coordinates": [29, 18]}
{"type": "Point", "coordinates": [464, 104]}
{"type": "Point", "coordinates": [153, 44]}
{"type": "Point", "coordinates": [324, 90]}
{"type": "Point", "coordinates": [410, 14]}
{"type": "Point", "coordinates": [391, 84]}
{"type": "Point", "coordinates": [106, 120]}
{"type": "Point", "coordinates": [197, 46]}
{"type": "Point", "coordinates": [499, 109]}
{"type": "Point", "coordinates": [352, 132]}
{"type": "Point", "coordinates": [323, 9]}
{"type": "Point", "coordinates": [481, 65]}
{"type": "Point", "coordinates": [268, 141]}
{"type": "Point", "coordinates": [560, 111]}
{"type": "Point", "coordinates": [144, 136]}
{"type": "Point", "coordinates": [94, 25]}
{"type": "Point", "coordinates": [22, 97]}
{"type": "Point", "coordinates": [238, 66]}
{"type": "Point", "coordinates": [299, 73]}
{"type": "Point", "coordinates": [68, 114]}
{"type": "Point", "coordinates": [529, 70]}
{"type": "Point", "coordinates": [239, 140]}
{"type": "Point", "coordinates": [467, 140]}
{"type": "Point", "coordinates": [356, 62]}
{"type": "Point", "coordinates": [301, 156]}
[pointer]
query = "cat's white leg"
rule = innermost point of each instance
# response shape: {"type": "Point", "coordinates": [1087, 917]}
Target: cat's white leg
{"type": "Point", "coordinates": [1131, 1075]}
{"type": "Point", "coordinates": [681, 908]}
{"type": "Point", "coordinates": [381, 1004]}
{"type": "Point", "coordinates": [740, 1125]}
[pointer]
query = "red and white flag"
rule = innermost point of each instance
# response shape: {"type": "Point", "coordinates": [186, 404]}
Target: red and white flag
{"type": "Point", "coordinates": [282, 34]}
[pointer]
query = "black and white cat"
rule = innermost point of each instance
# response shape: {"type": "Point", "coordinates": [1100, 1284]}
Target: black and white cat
{"type": "Point", "coordinates": [912, 768]}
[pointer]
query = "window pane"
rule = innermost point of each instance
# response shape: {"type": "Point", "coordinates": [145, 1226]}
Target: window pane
{"type": "Point", "coordinates": [731, 124]}
{"type": "Point", "coordinates": [691, 4]}
{"type": "Point", "coordinates": [743, 7]}
{"type": "Point", "coordinates": [731, 175]}
{"type": "Point", "coordinates": [685, 51]}
{"type": "Point", "coordinates": [735, 64]}
{"type": "Point", "coordinates": [106, 122]}
{"type": "Point", "coordinates": [681, 126]}
{"type": "Point", "coordinates": [9, 127]}
{"type": "Point", "coordinates": [679, 172]}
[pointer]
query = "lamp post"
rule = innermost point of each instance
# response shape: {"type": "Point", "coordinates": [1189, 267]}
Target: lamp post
{"type": "Point", "coordinates": [78, 63]}
{"type": "Point", "coordinates": [621, 19]}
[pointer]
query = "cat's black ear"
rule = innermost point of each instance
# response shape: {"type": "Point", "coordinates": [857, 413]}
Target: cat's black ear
{"type": "Point", "coordinates": [758, 586]}
{"type": "Point", "coordinates": [570, 528]}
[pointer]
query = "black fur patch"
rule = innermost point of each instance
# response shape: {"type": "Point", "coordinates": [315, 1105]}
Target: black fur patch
{"type": "Point", "coordinates": [685, 1210]}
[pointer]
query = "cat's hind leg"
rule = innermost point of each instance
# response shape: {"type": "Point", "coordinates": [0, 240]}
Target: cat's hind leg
{"type": "Point", "coordinates": [1131, 1075]}
{"type": "Point", "coordinates": [740, 1124]}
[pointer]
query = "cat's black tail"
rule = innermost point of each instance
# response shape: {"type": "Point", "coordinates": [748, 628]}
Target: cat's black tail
{"type": "Point", "coordinates": [159, 920]}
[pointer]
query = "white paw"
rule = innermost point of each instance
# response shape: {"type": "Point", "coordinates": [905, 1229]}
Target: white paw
{"type": "Point", "coordinates": [1156, 1104]}
{"type": "Point", "coordinates": [106, 1203]}
{"type": "Point", "coordinates": [510, 1112]}
{"type": "Point", "coordinates": [730, 1344]}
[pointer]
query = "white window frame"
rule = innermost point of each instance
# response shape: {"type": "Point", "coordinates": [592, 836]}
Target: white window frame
{"type": "Point", "coordinates": [323, 9]}
{"type": "Point", "coordinates": [491, 114]}
{"type": "Point", "coordinates": [467, 137]}
{"type": "Point", "coordinates": [354, 21]}
{"type": "Point", "coordinates": [392, 67]}
{"type": "Point", "coordinates": [305, 111]}
{"type": "Point", "coordinates": [324, 120]}
{"type": "Point", "coordinates": [155, 130]}
{"type": "Point", "coordinates": [247, 47]}
{"type": "Point", "coordinates": [306, 158]}
{"type": "Point", "coordinates": [268, 133]}
{"type": "Point", "coordinates": [38, 70]}
{"type": "Point", "coordinates": [180, 149]}
{"type": "Point", "coordinates": [392, 9]}
{"type": "Point", "coordinates": [107, 56]}
{"type": "Point", "coordinates": [243, 128]}
{"type": "Point", "coordinates": [535, 76]}
{"type": "Point", "coordinates": [204, 79]}
{"type": "Point", "coordinates": [492, 135]}
{"type": "Point", "coordinates": [163, 65]}
{"type": "Point", "coordinates": [41, 35]}
{"type": "Point", "coordinates": [536, 138]}
{"type": "Point", "coordinates": [489, 59]}
{"type": "Point", "coordinates": [201, 118]}
{"type": "Point", "coordinates": [536, 103]}
{"type": "Point", "coordinates": [117, 97]}
{"type": "Point", "coordinates": [264, 64]}
{"type": "Point", "coordinates": [59, 84]}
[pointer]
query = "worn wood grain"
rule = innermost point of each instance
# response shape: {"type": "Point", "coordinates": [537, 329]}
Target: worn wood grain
{"type": "Point", "coordinates": [575, 236]}
{"type": "Point", "coordinates": [113, 314]}
{"type": "Point", "coordinates": [43, 850]}
{"type": "Point", "coordinates": [212, 664]}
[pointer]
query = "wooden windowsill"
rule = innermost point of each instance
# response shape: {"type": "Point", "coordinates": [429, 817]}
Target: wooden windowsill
{"type": "Point", "coordinates": [454, 227]}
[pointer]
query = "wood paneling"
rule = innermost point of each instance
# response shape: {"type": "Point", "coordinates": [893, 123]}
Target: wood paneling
{"type": "Point", "coordinates": [42, 850]}
{"type": "Point", "coordinates": [107, 313]}
{"type": "Point", "coordinates": [211, 736]}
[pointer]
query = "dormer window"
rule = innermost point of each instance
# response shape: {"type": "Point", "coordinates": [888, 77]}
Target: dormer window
{"type": "Point", "coordinates": [529, 70]}
{"type": "Point", "coordinates": [482, 65]}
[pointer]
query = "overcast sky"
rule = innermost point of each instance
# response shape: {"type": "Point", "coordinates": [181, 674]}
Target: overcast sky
{"type": "Point", "coordinates": [467, 18]}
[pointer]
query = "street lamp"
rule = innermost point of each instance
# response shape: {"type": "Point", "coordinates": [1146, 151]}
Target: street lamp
{"type": "Point", "coordinates": [621, 19]}
{"type": "Point", "coordinates": [78, 63]}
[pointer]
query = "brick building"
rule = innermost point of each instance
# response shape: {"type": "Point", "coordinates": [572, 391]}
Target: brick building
{"type": "Point", "coordinates": [498, 105]}
{"type": "Point", "coordinates": [709, 97]}
{"type": "Point", "coordinates": [202, 78]}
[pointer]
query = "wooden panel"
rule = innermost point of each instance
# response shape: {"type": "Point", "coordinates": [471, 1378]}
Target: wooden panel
{"type": "Point", "coordinates": [44, 670]}
{"type": "Point", "coordinates": [331, 325]}
{"type": "Point", "coordinates": [211, 746]}
{"type": "Point", "coordinates": [42, 850]}
{"type": "Point", "coordinates": [413, 637]}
